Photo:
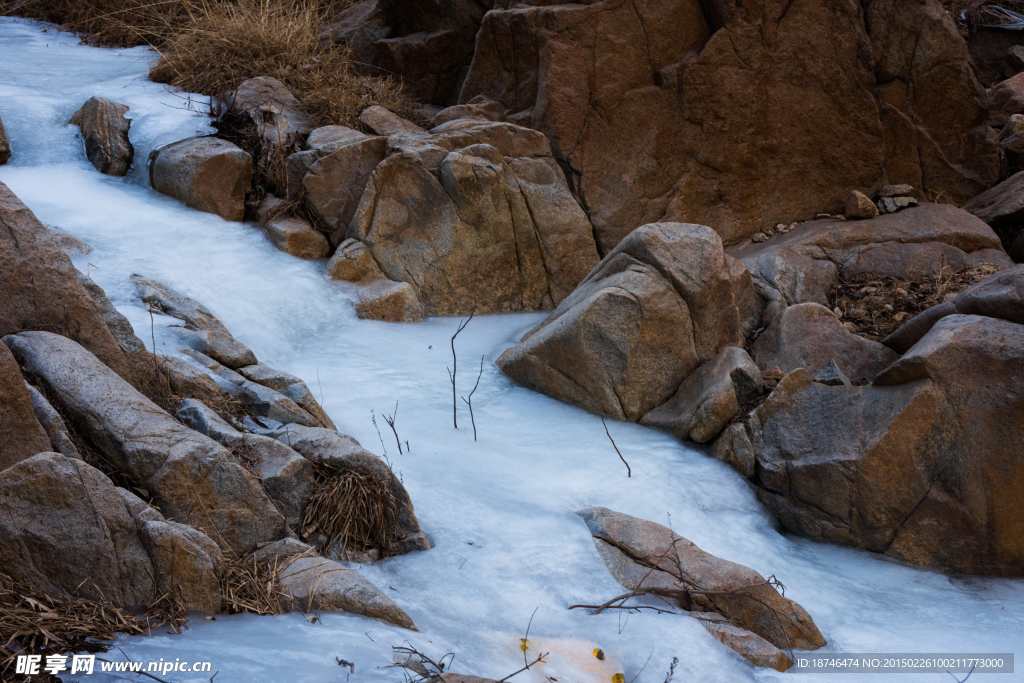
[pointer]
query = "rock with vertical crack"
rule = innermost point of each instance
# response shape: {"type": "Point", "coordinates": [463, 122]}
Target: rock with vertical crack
{"type": "Point", "coordinates": [104, 129]}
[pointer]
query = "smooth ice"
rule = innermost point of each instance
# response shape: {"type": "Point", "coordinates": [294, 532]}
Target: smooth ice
{"type": "Point", "coordinates": [499, 510]}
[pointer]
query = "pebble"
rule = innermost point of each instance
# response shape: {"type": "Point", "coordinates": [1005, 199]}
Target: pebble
{"type": "Point", "coordinates": [759, 237]}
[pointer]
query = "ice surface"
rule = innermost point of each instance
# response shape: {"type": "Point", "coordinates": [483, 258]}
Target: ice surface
{"type": "Point", "coordinates": [500, 511]}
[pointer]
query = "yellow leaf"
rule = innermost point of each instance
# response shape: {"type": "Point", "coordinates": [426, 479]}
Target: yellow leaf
{"type": "Point", "coordinates": [618, 678]}
{"type": "Point", "coordinates": [524, 644]}
{"type": "Point", "coordinates": [599, 653]}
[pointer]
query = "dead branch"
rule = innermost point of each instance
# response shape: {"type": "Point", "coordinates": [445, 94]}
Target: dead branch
{"type": "Point", "coordinates": [391, 423]}
{"type": "Point", "coordinates": [455, 367]}
{"type": "Point", "coordinates": [469, 401]}
{"type": "Point", "coordinates": [629, 472]}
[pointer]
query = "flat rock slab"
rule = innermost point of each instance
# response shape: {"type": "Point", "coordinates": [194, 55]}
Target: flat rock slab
{"type": "Point", "coordinates": [192, 476]}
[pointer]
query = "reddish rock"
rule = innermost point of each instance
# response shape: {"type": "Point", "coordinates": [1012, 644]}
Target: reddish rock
{"type": "Point", "coordinates": [206, 174]}
{"type": "Point", "coordinates": [21, 435]}
{"type": "Point", "coordinates": [662, 112]}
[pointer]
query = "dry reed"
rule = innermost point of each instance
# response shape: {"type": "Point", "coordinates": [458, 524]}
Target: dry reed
{"type": "Point", "coordinates": [353, 509]}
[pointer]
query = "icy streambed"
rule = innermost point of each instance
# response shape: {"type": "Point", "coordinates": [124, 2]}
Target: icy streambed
{"type": "Point", "coordinates": [499, 510]}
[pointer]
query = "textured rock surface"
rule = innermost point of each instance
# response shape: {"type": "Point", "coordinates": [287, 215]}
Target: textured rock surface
{"type": "Point", "coordinates": [385, 122]}
{"type": "Point", "coordinates": [220, 346]}
{"type": "Point", "coordinates": [206, 174]}
{"type": "Point", "coordinates": [278, 115]}
{"type": "Point", "coordinates": [290, 386]}
{"type": "Point", "coordinates": [750, 646]}
{"type": "Point", "coordinates": [5, 147]}
{"type": "Point", "coordinates": [21, 434]}
{"type": "Point", "coordinates": [662, 111]}
{"type": "Point", "coordinates": [342, 452]}
{"type": "Point", "coordinates": [810, 336]}
{"type": "Point", "coordinates": [105, 133]}
{"type": "Point", "coordinates": [192, 476]}
{"type": "Point", "coordinates": [297, 237]}
{"type": "Point", "coordinates": [997, 296]}
{"type": "Point", "coordinates": [39, 288]}
{"type": "Point", "coordinates": [631, 547]}
{"type": "Point", "coordinates": [333, 185]}
{"type": "Point", "coordinates": [389, 301]}
{"type": "Point", "coordinates": [310, 583]}
{"type": "Point", "coordinates": [666, 299]}
{"type": "Point", "coordinates": [709, 398]}
{"type": "Point", "coordinates": [475, 216]}
{"type": "Point", "coordinates": [49, 418]}
{"type": "Point", "coordinates": [1002, 205]}
{"type": "Point", "coordinates": [1005, 100]}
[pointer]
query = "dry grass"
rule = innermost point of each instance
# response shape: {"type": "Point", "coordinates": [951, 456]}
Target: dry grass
{"type": "Point", "coordinates": [877, 307]}
{"type": "Point", "coordinates": [212, 46]}
{"type": "Point", "coordinates": [353, 509]}
{"type": "Point", "coordinates": [32, 622]}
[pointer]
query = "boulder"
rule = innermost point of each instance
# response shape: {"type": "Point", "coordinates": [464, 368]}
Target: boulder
{"type": "Point", "coordinates": [1001, 206]}
{"type": "Point", "coordinates": [1006, 99]}
{"type": "Point", "coordinates": [1012, 150]}
{"type": "Point", "coordinates": [389, 301]}
{"type": "Point", "coordinates": [320, 143]}
{"type": "Point", "coordinates": [5, 147]}
{"type": "Point", "coordinates": [998, 296]}
{"type": "Point", "coordinates": [200, 417]}
{"type": "Point", "coordinates": [162, 298]}
{"type": "Point", "coordinates": [311, 583]}
{"type": "Point", "coordinates": [279, 117]}
{"type": "Point", "coordinates": [750, 646]}
{"type": "Point", "coordinates": [334, 184]}
{"type": "Point", "coordinates": [207, 174]}
{"type": "Point", "coordinates": [297, 237]}
{"type": "Point", "coordinates": [663, 301]}
{"type": "Point", "coordinates": [353, 262]}
{"type": "Point", "coordinates": [290, 386]}
{"type": "Point", "coordinates": [119, 326]}
{"type": "Point", "coordinates": [988, 47]}
{"type": "Point", "coordinates": [104, 129]}
{"type": "Point", "coordinates": [709, 398]}
{"type": "Point", "coordinates": [39, 287]}
{"type": "Point", "coordinates": [678, 124]}
{"type": "Point", "coordinates": [832, 375]}
{"type": "Point", "coordinates": [637, 551]}
{"type": "Point", "coordinates": [186, 379]}
{"type": "Point", "coordinates": [477, 108]}
{"type": "Point", "coordinates": [191, 476]}
{"type": "Point", "coordinates": [50, 419]}
{"type": "Point", "coordinates": [475, 217]}
{"type": "Point", "coordinates": [220, 346]}
{"type": "Point", "coordinates": [64, 528]}
{"type": "Point", "coordinates": [385, 122]}
{"type": "Point", "coordinates": [21, 434]}
{"type": "Point", "coordinates": [341, 452]}
{"type": "Point", "coordinates": [859, 205]}
{"type": "Point", "coordinates": [810, 336]}
{"type": "Point", "coordinates": [329, 139]}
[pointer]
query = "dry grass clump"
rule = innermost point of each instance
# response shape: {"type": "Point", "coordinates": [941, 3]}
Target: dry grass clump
{"type": "Point", "coordinates": [877, 307]}
{"type": "Point", "coordinates": [32, 622]}
{"type": "Point", "coordinates": [222, 45]}
{"type": "Point", "coordinates": [251, 586]}
{"type": "Point", "coordinates": [351, 508]}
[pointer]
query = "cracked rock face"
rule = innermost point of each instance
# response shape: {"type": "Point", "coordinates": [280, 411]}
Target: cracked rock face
{"type": "Point", "coordinates": [665, 300]}
{"type": "Point", "coordinates": [474, 216]}
{"type": "Point", "coordinates": [105, 132]}
{"type": "Point", "coordinates": [661, 111]}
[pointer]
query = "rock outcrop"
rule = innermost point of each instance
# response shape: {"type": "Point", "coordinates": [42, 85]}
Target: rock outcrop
{"type": "Point", "coordinates": [21, 435]}
{"type": "Point", "coordinates": [379, 297]}
{"type": "Point", "coordinates": [205, 173]}
{"type": "Point", "coordinates": [104, 130]}
{"type": "Point", "coordinates": [191, 476]}
{"type": "Point", "coordinates": [475, 216]}
{"type": "Point", "coordinates": [927, 459]}
{"type": "Point", "coordinates": [65, 528]}
{"type": "Point", "coordinates": [40, 290]}
{"type": "Point", "coordinates": [663, 301]}
{"type": "Point", "coordinates": [333, 185]}
{"type": "Point", "coordinates": [661, 111]}
{"type": "Point", "coordinates": [634, 548]}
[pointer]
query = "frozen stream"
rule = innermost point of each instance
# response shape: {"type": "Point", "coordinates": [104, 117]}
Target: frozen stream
{"type": "Point", "coordinates": [499, 511]}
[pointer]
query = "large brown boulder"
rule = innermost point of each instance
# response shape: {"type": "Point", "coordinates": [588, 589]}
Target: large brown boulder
{"type": "Point", "coordinates": [191, 476]}
{"type": "Point", "coordinates": [333, 185]}
{"type": "Point", "coordinates": [39, 288]}
{"type": "Point", "coordinates": [809, 336]}
{"type": "Point", "coordinates": [105, 132]}
{"type": "Point", "coordinates": [279, 117]}
{"type": "Point", "coordinates": [665, 300]}
{"type": "Point", "coordinates": [1005, 100]}
{"type": "Point", "coordinates": [637, 552]}
{"type": "Point", "coordinates": [65, 528]}
{"type": "Point", "coordinates": [205, 173]}
{"type": "Point", "coordinates": [1001, 206]}
{"type": "Point", "coordinates": [924, 465]}
{"type": "Point", "coordinates": [475, 216]}
{"type": "Point", "coordinates": [661, 111]}
{"type": "Point", "coordinates": [21, 435]}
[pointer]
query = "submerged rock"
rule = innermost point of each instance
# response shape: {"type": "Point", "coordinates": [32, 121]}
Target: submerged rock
{"type": "Point", "coordinates": [207, 174]}
{"type": "Point", "coordinates": [104, 129]}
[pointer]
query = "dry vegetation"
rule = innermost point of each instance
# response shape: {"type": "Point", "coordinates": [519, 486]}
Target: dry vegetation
{"type": "Point", "coordinates": [351, 508]}
{"type": "Point", "coordinates": [211, 46]}
{"type": "Point", "coordinates": [877, 307]}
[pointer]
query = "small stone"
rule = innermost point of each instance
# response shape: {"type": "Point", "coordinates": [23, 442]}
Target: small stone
{"type": "Point", "coordinates": [868, 290]}
{"type": "Point", "coordinates": [858, 205]}
{"type": "Point", "coordinates": [758, 237]}
{"type": "Point", "coordinates": [837, 313]}
{"type": "Point", "coordinates": [791, 225]}
{"type": "Point", "coordinates": [850, 327]}
{"type": "Point", "coordinates": [894, 191]}
{"type": "Point", "coordinates": [780, 227]}
{"type": "Point", "coordinates": [901, 292]}
{"type": "Point", "coordinates": [889, 308]}
{"type": "Point", "coordinates": [899, 316]}
{"type": "Point", "coordinates": [831, 375]}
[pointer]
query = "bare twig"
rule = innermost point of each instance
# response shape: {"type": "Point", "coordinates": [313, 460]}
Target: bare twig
{"type": "Point", "coordinates": [454, 369]}
{"type": "Point", "coordinates": [373, 419]}
{"type": "Point", "coordinates": [469, 401]}
{"type": "Point", "coordinates": [629, 472]}
{"type": "Point", "coordinates": [391, 423]}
